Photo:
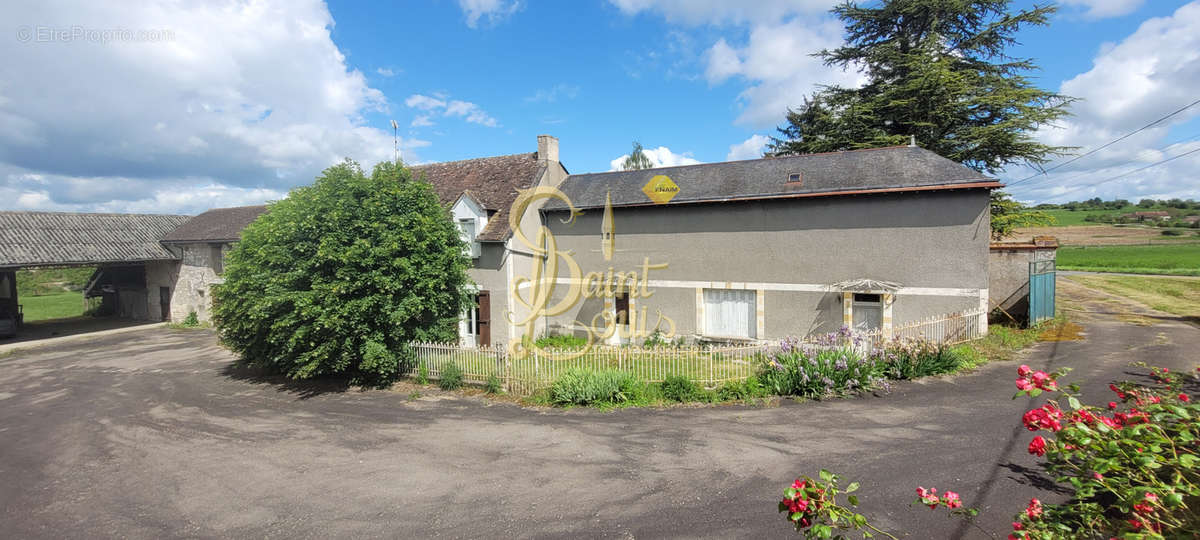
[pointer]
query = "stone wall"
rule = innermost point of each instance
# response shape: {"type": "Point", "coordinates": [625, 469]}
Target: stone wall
{"type": "Point", "coordinates": [1008, 272]}
{"type": "Point", "coordinates": [159, 274]}
{"type": "Point", "coordinates": [197, 273]}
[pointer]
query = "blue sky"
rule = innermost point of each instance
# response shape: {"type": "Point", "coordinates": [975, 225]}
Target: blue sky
{"type": "Point", "coordinates": [197, 105]}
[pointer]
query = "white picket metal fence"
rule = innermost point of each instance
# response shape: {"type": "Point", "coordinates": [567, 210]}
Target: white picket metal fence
{"type": "Point", "coordinates": [948, 329]}
{"type": "Point", "coordinates": [706, 365]}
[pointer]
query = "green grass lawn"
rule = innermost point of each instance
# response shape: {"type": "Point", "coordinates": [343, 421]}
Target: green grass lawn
{"type": "Point", "coordinates": [1182, 259]}
{"type": "Point", "coordinates": [52, 306]}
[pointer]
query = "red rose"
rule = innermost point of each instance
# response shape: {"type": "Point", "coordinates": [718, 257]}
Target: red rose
{"type": "Point", "coordinates": [1034, 510]}
{"type": "Point", "coordinates": [1037, 446]}
{"type": "Point", "coordinates": [1184, 398]}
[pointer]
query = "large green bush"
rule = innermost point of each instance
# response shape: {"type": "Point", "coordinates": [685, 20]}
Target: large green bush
{"type": "Point", "coordinates": [341, 275]}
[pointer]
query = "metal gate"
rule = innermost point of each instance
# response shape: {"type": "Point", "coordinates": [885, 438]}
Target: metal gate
{"type": "Point", "coordinates": [1041, 291]}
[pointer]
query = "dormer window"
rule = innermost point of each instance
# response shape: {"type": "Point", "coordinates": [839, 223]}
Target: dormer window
{"type": "Point", "coordinates": [795, 178]}
{"type": "Point", "coordinates": [466, 229]}
{"type": "Point", "coordinates": [470, 217]}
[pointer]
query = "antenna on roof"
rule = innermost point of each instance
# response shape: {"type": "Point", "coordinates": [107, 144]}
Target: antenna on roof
{"type": "Point", "coordinates": [395, 142]}
{"type": "Point", "coordinates": [912, 141]}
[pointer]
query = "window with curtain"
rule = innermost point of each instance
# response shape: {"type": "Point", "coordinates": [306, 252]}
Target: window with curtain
{"type": "Point", "coordinates": [730, 313]}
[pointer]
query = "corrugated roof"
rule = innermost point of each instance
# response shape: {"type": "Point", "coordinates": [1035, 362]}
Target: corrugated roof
{"type": "Point", "coordinates": [216, 225]}
{"type": "Point", "coordinates": [62, 238]}
{"type": "Point", "coordinates": [899, 168]}
{"type": "Point", "coordinates": [492, 181]}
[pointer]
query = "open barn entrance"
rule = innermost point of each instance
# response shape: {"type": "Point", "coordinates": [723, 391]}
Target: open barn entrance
{"type": "Point", "coordinates": [114, 262]}
{"type": "Point", "coordinates": [40, 303]}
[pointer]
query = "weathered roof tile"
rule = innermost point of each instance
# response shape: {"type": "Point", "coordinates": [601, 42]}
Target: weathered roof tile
{"type": "Point", "coordinates": [492, 181]}
{"type": "Point", "coordinates": [898, 168]}
{"type": "Point", "coordinates": [216, 225]}
{"type": "Point", "coordinates": [66, 238]}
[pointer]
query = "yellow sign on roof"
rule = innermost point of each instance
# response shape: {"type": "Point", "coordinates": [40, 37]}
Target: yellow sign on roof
{"type": "Point", "coordinates": [660, 189]}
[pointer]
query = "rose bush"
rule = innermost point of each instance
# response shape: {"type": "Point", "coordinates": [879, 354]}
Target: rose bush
{"type": "Point", "coordinates": [812, 507]}
{"type": "Point", "coordinates": [1132, 467]}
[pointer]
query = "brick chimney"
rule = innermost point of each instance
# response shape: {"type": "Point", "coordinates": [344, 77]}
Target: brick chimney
{"type": "Point", "coordinates": [547, 148]}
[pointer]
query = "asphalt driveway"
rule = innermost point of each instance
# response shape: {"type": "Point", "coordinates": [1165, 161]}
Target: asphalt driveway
{"type": "Point", "coordinates": [152, 434]}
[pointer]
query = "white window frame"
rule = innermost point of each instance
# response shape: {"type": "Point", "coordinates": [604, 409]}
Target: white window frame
{"type": "Point", "coordinates": [731, 313]}
{"type": "Point", "coordinates": [859, 306]}
{"type": "Point", "coordinates": [468, 213]}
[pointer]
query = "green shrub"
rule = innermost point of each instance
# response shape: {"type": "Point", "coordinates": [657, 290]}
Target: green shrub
{"type": "Point", "coordinates": [658, 339]}
{"type": "Point", "coordinates": [1172, 232]}
{"type": "Point", "coordinates": [422, 373]}
{"type": "Point", "coordinates": [681, 389]}
{"type": "Point", "coordinates": [966, 357]}
{"type": "Point", "coordinates": [191, 321]}
{"type": "Point", "coordinates": [586, 387]}
{"type": "Point", "coordinates": [451, 377]}
{"type": "Point", "coordinates": [337, 266]}
{"type": "Point", "coordinates": [750, 388]}
{"type": "Point", "coordinates": [493, 384]}
{"type": "Point", "coordinates": [561, 341]}
{"type": "Point", "coordinates": [911, 359]}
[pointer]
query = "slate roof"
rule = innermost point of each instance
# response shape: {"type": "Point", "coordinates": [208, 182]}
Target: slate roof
{"type": "Point", "coordinates": [63, 238]}
{"type": "Point", "coordinates": [222, 225]}
{"type": "Point", "coordinates": [899, 168]}
{"type": "Point", "coordinates": [492, 181]}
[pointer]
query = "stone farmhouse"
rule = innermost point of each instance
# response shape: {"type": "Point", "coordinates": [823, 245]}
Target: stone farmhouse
{"type": "Point", "coordinates": [746, 250]}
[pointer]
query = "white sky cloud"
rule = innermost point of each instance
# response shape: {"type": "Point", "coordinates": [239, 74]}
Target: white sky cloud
{"type": "Point", "coordinates": [774, 62]}
{"type": "Point", "coordinates": [386, 72]}
{"type": "Point", "coordinates": [659, 157]}
{"type": "Point", "coordinates": [493, 11]}
{"type": "Point", "coordinates": [778, 65]}
{"type": "Point", "coordinates": [457, 108]}
{"type": "Point", "coordinates": [554, 93]}
{"type": "Point", "coordinates": [1147, 75]}
{"type": "Point", "coordinates": [751, 148]}
{"type": "Point", "coordinates": [723, 11]}
{"type": "Point", "coordinates": [424, 103]}
{"type": "Point", "coordinates": [175, 117]}
{"type": "Point", "coordinates": [1099, 9]}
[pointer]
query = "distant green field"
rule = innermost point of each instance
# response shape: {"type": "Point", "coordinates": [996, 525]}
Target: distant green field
{"type": "Point", "coordinates": [1064, 217]}
{"type": "Point", "coordinates": [52, 306]}
{"type": "Point", "coordinates": [1068, 217]}
{"type": "Point", "coordinates": [1182, 259]}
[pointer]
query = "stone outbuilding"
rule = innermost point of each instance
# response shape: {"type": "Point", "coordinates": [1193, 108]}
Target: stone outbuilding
{"type": "Point", "coordinates": [200, 245]}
